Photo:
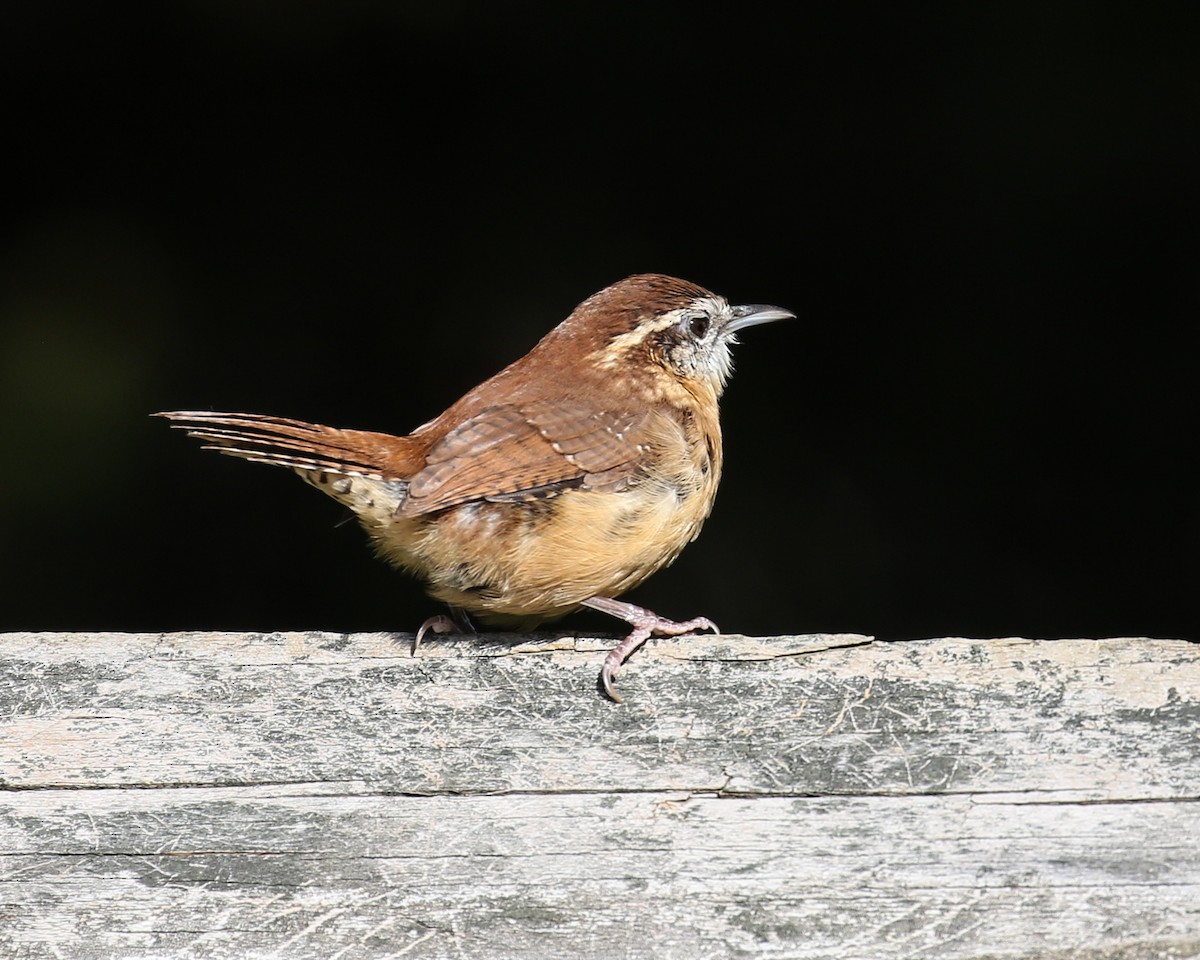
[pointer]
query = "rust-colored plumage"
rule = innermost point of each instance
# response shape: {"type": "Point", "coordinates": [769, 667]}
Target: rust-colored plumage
{"type": "Point", "coordinates": [563, 481]}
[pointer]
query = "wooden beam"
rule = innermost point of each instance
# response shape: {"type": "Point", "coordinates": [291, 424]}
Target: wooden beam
{"type": "Point", "coordinates": [322, 795]}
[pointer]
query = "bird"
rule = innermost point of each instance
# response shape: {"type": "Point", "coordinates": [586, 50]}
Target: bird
{"type": "Point", "coordinates": [562, 482]}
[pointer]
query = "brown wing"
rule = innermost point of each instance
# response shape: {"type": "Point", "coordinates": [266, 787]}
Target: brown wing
{"type": "Point", "coordinates": [528, 451]}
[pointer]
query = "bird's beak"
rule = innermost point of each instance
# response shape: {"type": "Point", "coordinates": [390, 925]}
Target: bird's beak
{"type": "Point", "coordinates": [751, 314]}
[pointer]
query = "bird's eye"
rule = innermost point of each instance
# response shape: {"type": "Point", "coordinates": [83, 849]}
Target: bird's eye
{"type": "Point", "coordinates": [697, 326]}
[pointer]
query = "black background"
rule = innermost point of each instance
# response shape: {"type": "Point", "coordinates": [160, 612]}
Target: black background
{"type": "Point", "coordinates": [982, 423]}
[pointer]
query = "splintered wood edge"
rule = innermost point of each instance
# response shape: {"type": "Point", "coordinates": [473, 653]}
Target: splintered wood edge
{"type": "Point", "coordinates": [701, 646]}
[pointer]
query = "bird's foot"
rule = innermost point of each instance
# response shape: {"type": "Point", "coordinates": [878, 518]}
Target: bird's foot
{"type": "Point", "coordinates": [457, 621]}
{"type": "Point", "coordinates": [645, 624]}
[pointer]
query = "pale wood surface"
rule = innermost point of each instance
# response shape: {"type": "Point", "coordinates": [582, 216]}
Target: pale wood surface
{"type": "Point", "coordinates": [321, 795]}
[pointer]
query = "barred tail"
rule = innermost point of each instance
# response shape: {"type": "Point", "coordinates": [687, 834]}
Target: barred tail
{"type": "Point", "coordinates": [305, 447]}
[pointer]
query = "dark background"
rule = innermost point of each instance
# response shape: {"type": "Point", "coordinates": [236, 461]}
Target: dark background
{"type": "Point", "coordinates": [982, 423]}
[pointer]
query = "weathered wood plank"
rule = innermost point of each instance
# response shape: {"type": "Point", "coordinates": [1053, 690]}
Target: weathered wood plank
{"type": "Point", "coordinates": [214, 871]}
{"type": "Point", "coordinates": [298, 795]}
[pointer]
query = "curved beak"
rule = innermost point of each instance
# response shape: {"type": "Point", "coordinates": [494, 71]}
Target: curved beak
{"type": "Point", "coordinates": [752, 314]}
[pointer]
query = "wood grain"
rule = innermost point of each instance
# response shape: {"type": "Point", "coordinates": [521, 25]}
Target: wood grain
{"type": "Point", "coordinates": [322, 795]}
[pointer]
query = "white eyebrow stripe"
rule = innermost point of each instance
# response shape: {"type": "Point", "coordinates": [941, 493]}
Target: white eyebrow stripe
{"type": "Point", "coordinates": [613, 352]}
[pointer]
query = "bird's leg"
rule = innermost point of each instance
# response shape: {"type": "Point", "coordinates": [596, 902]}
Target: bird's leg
{"type": "Point", "coordinates": [441, 623]}
{"type": "Point", "coordinates": [645, 624]}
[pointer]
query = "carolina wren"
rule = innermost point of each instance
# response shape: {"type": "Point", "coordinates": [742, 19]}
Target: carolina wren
{"type": "Point", "coordinates": [566, 479]}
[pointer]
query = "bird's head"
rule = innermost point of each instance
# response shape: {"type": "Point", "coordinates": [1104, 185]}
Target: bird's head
{"type": "Point", "coordinates": [660, 322]}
